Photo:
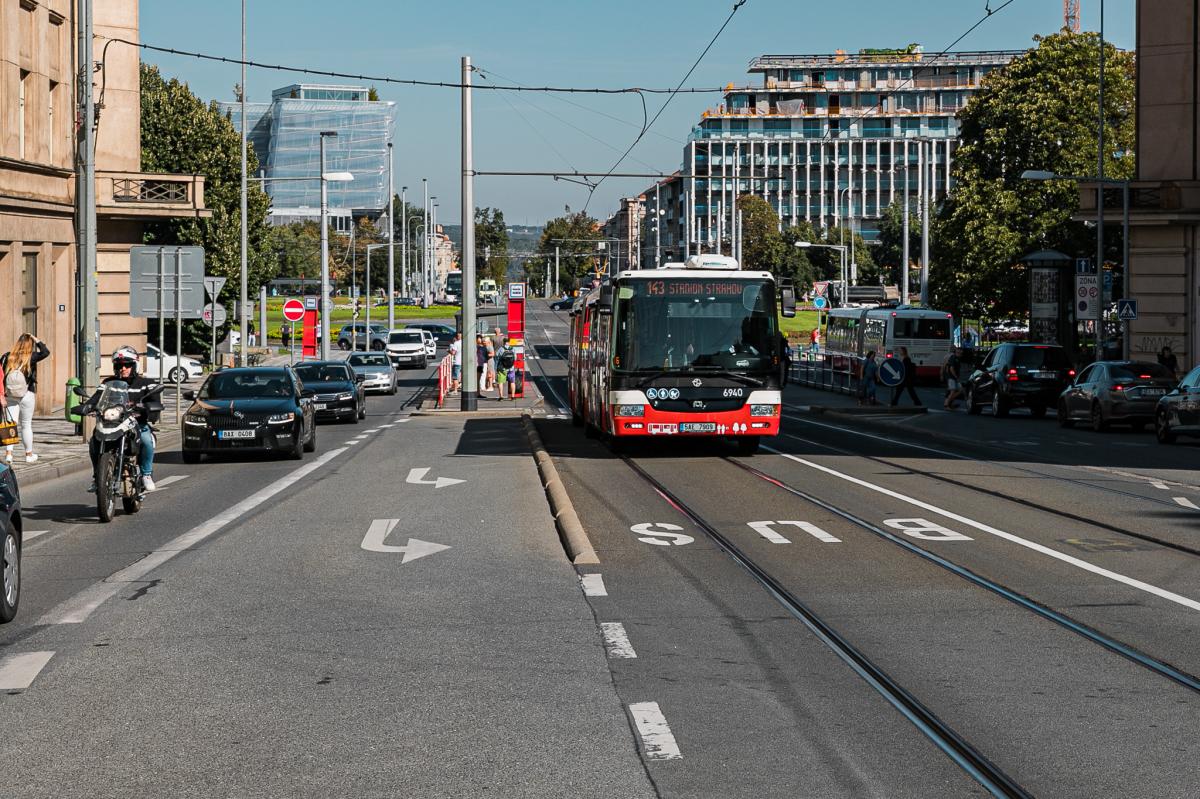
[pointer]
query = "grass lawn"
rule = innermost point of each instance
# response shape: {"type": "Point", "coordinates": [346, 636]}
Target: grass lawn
{"type": "Point", "coordinates": [343, 315]}
{"type": "Point", "coordinates": [800, 325]}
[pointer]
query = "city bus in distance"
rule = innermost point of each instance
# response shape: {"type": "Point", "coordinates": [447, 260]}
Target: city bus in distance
{"type": "Point", "coordinates": [690, 349]}
{"type": "Point", "coordinates": [453, 292]}
{"type": "Point", "coordinates": [928, 335]}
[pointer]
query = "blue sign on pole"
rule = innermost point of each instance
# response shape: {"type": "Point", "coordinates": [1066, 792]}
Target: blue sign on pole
{"type": "Point", "coordinates": [891, 372]}
{"type": "Point", "coordinates": [1127, 310]}
{"type": "Point", "coordinates": [819, 303]}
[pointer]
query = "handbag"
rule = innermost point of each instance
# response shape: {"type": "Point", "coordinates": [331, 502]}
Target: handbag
{"type": "Point", "coordinates": [8, 430]}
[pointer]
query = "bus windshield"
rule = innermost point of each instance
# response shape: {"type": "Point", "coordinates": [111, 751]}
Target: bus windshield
{"type": "Point", "coordinates": [695, 324]}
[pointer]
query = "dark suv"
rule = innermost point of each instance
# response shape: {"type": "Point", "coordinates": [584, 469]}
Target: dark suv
{"type": "Point", "coordinates": [1019, 375]}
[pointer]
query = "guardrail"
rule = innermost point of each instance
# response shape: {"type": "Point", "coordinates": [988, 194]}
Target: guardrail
{"type": "Point", "coordinates": [444, 378]}
{"type": "Point", "coordinates": [826, 370]}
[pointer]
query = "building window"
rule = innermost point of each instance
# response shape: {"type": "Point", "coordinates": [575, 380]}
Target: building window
{"type": "Point", "coordinates": [812, 129]}
{"type": "Point", "coordinates": [939, 126]}
{"type": "Point", "coordinates": [22, 121]}
{"type": "Point", "coordinates": [877, 128]}
{"type": "Point", "coordinates": [910, 127]}
{"type": "Point", "coordinates": [51, 127]}
{"type": "Point", "coordinates": [29, 270]}
{"type": "Point", "coordinates": [739, 125]}
{"type": "Point", "coordinates": [777, 125]}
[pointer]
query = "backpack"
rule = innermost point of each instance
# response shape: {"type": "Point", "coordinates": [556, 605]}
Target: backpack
{"type": "Point", "coordinates": [15, 384]}
{"type": "Point", "coordinates": [506, 359]}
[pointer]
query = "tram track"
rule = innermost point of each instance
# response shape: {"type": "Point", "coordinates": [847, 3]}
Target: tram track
{"type": "Point", "coordinates": [958, 749]}
{"type": "Point", "coordinates": [995, 494]}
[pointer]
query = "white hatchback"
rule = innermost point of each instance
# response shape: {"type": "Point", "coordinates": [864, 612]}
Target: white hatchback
{"type": "Point", "coordinates": [168, 367]}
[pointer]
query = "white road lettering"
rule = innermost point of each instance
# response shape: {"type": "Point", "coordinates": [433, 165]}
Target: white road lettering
{"type": "Point", "coordinates": [1162, 593]}
{"type": "Point", "coordinates": [29, 535]}
{"type": "Point", "coordinates": [657, 740]}
{"type": "Point", "coordinates": [378, 532]}
{"type": "Point", "coordinates": [764, 529]}
{"type": "Point", "coordinates": [77, 609]}
{"type": "Point", "coordinates": [417, 477]}
{"type": "Point", "coordinates": [1185, 502]}
{"type": "Point", "coordinates": [616, 640]}
{"type": "Point", "coordinates": [664, 537]}
{"type": "Point", "coordinates": [925, 530]}
{"type": "Point", "coordinates": [17, 672]}
{"type": "Point", "coordinates": [593, 585]}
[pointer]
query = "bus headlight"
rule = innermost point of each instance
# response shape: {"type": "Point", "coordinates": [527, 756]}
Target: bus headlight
{"type": "Point", "coordinates": [631, 410]}
{"type": "Point", "coordinates": [764, 410]}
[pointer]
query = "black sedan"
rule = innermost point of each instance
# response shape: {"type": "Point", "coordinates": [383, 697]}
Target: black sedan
{"type": "Point", "coordinates": [10, 544]}
{"type": "Point", "coordinates": [263, 409]}
{"type": "Point", "coordinates": [1178, 412]}
{"type": "Point", "coordinates": [338, 392]}
{"type": "Point", "coordinates": [563, 304]}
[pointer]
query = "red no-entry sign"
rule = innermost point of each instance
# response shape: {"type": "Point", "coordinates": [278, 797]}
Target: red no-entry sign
{"type": "Point", "coordinates": [293, 310]}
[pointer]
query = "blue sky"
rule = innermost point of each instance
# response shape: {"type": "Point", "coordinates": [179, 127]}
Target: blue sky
{"type": "Point", "coordinates": [564, 43]}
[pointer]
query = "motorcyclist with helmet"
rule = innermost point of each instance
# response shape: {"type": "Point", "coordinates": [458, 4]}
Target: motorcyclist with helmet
{"type": "Point", "coordinates": [125, 363]}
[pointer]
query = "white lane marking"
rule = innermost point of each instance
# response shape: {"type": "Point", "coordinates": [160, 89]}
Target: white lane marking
{"type": "Point", "coordinates": [657, 740]}
{"type": "Point", "coordinates": [1069, 559]}
{"type": "Point", "coordinates": [376, 430]}
{"type": "Point", "coordinates": [925, 530]}
{"type": "Point", "coordinates": [1185, 502]}
{"type": "Point", "coordinates": [417, 477]}
{"type": "Point", "coordinates": [365, 437]}
{"type": "Point", "coordinates": [616, 640]}
{"type": "Point", "coordinates": [393, 424]}
{"type": "Point", "coordinates": [409, 418]}
{"type": "Point", "coordinates": [647, 534]}
{"type": "Point", "coordinates": [17, 672]}
{"type": "Point", "coordinates": [29, 535]}
{"type": "Point", "coordinates": [77, 609]}
{"type": "Point", "coordinates": [166, 481]}
{"type": "Point", "coordinates": [1157, 483]}
{"type": "Point", "coordinates": [378, 532]}
{"type": "Point", "coordinates": [765, 529]}
{"type": "Point", "coordinates": [593, 585]}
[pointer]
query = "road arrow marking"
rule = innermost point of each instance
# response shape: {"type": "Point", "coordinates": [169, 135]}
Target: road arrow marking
{"type": "Point", "coordinates": [17, 672]}
{"type": "Point", "coordinates": [378, 532]}
{"type": "Point", "coordinates": [417, 477]}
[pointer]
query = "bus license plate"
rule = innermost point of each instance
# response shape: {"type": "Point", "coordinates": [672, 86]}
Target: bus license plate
{"type": "Point", "coordinates": [698, 427]}
{"type": "Point", "coordinates": [236, 434]}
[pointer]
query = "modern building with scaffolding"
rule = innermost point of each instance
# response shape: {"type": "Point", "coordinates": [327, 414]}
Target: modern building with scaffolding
{"type": "Point", "coordinates": [827, 139]}
{"type": "Point", "coordinates": [285, 134]}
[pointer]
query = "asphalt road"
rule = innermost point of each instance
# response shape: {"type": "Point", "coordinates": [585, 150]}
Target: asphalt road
{"type": "Point", "coordinates": [1036, 589]}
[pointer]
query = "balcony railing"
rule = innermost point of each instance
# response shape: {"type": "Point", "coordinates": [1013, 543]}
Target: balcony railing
{"type": "Point", "coordinates": [150, 194]}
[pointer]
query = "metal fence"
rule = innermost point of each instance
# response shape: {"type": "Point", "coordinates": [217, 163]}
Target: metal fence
{"type": "Point", "coordinates": [827, 370]}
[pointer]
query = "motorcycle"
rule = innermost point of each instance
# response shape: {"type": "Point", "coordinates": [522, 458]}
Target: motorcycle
{"type": "Point", "coordinates": [120, 443]}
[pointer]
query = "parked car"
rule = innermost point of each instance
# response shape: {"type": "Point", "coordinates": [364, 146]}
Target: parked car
{"type": "Point", "coordinates": [408, 348]}
{"type": "Point", "coordinates": [174, 369]}
{"type": "Point", "coordinates": [338, 393]}
{"type": "Point", "coordinates": [444, 334]}
{"type": "Point", "coordinates": [354, 335]}
{"type": "Point", "coordinates": [1007, 330]}
{"type": "Point", "coordinates": [376, 370]}
{"type": "Point", "coordinates": [10, 544]}
{"type": "Point", "coordinates": [1019, 375]}
{"type": "Point", "coordinates": [1115, 391]}
{"type": "Point", "coordinates": [260, 408]}
{"type": "Point", "coordinates": [1178, 411]}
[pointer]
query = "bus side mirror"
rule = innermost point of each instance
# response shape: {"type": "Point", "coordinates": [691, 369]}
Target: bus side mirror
{"type": "Point", "coordinates": [604, 302]}
{"type": "Point", "coordinates": [787, 303]}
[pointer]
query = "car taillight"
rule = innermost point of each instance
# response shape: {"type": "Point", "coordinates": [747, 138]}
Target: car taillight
{"type": "Point", "coordinates": [1012, 376]}
{"type": "Point", "coordinates": [1118, 388]}
{"type": "Point", "coordinates": [1070, 373]}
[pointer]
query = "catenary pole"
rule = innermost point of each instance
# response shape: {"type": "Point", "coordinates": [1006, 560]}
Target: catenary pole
{"type": "Point", "coordinates": [391, 292]}
{"type": "Point", "coordinates": [904, 227]}
{"type": "Point", "coordinates": [925, 205]}
{"type": "Point", "coordinates": [1100, 175]}
{"type": "Point", "coordinates": [404, 288]}
{"type": "Point", "coordinates": [470, 391]}
{"type": "Point", "coordinates": [242, 315]}
{"type": "Point", "coordinates": [87, 319]}
{"type": "Point", "coordinates": [324, 323]}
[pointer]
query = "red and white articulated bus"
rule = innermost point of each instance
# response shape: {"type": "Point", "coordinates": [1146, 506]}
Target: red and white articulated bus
{"type": "Point", "coordinates": [690, 349]}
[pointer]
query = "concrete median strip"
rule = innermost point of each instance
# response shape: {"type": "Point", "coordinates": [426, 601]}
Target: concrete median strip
{"type": "Point", "coordinates": [574, 538]}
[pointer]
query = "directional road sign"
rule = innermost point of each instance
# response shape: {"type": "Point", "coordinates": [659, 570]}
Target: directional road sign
{"type": "Point", "coordinates": [1127, 310]}
{"type": "Point", "coordinates": [213, 286]}
{"type": "Point", "coordinates": [293, 310]}
{"type": "Point", "coordinates": [891, 372]}
{"type": "Point", "coordinates": [153, 274]}
{"type": "Point", "coordinates": [214, 315]}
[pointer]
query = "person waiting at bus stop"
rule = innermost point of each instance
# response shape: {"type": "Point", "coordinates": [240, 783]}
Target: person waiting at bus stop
{"type": "Point", "coordinates": [870, 376]}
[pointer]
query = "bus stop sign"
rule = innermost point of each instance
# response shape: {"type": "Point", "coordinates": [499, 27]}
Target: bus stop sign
{"type": "Point", "coordinates": [891, 372]}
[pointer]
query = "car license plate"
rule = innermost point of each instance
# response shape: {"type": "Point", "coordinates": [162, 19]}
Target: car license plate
{"type": "Point", "coordinates": [236, 434]}
{"type": "Point", "coordinates": [1045, 375]}
{"type": "Point", "coordinates": [320, 406]}
{"type": "Point", "coordinates": [1153, 392]}
{"type": "Point", "coordinates": [698, 427]}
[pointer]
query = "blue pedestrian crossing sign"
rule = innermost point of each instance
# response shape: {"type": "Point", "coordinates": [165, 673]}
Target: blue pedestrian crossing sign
{"type": "Point", "coordinates": [819, 303]}
{"type": "Point", "coordinates": [891, 372]}
{"type": "Point", "coordinates": [1127, 310]}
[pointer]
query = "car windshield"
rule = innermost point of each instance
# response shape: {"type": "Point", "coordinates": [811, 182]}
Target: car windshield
{"type": "Point", "coordinates": [236, 385]}
{"type": "Point", "coordinates": [322, 373]}
{"type": "Point", "coordinates": [695, 323]}
{"type": "Point", "coordinates": [368, 360]}
{"type": "Point", "coordinates": [405, 338]}
{"type": "Point", "coordinates": [1139, 370]}
{"type": "Point", "coordinates": [1041, 358]}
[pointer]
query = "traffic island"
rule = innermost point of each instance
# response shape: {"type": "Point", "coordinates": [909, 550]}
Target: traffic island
{"type": "Point", "coordinates": [570, 530]}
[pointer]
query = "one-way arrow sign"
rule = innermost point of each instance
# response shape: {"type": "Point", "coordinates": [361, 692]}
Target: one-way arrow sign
{"type": "Point", "coordinates": [417, 477]}
{"type": "Point", "coordinates": [378, 532]}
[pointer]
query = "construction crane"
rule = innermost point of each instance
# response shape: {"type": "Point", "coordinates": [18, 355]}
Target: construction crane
{"type": "Point", "coordinates": [1071, 15]}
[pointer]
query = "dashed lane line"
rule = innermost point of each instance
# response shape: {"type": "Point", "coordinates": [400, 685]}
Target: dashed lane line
{"type": "Point", "coordinates": [593, 585]}
{"type": "Point", "coordinates": [657, 740]}
{"type": "Point", "coordinates": [1185, 502]}
{"type": "Point", "coordinates": [17, 672]}
{"type": "Point", "coordinates": [616, 640]}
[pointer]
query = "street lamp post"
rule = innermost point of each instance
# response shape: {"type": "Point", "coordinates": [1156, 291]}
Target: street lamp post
{"type": "Point", "coordinates": [391, 292]}
{"type": "Point", "coordinates": [324, 323]}
{"type": "Point", "coordinates": [841, 248]}
{"type": "Point", "coordinates": [242, 200]}
{"type": "Point", "coordinates": [403, 241]}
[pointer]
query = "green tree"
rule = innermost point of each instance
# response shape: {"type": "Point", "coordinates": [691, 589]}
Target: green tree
{"type": "Point", "coordinates": [575, 234]}
{"type": "Point", "coordinates": [297, 249]}
{"type": "Point", "coordinates": [183, 135]}
{"type": "Point", "coordinates": [762, 244]}
{"type": "Point", "coordinates": [491, 245]}
{"type": "Point", "coordinates": [1038, 112]}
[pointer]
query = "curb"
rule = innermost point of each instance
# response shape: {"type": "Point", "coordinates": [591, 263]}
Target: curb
{"type": "Point", "coordinates": [77, 464]}
{"type": "Point", "coordinates": [574, 538]}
